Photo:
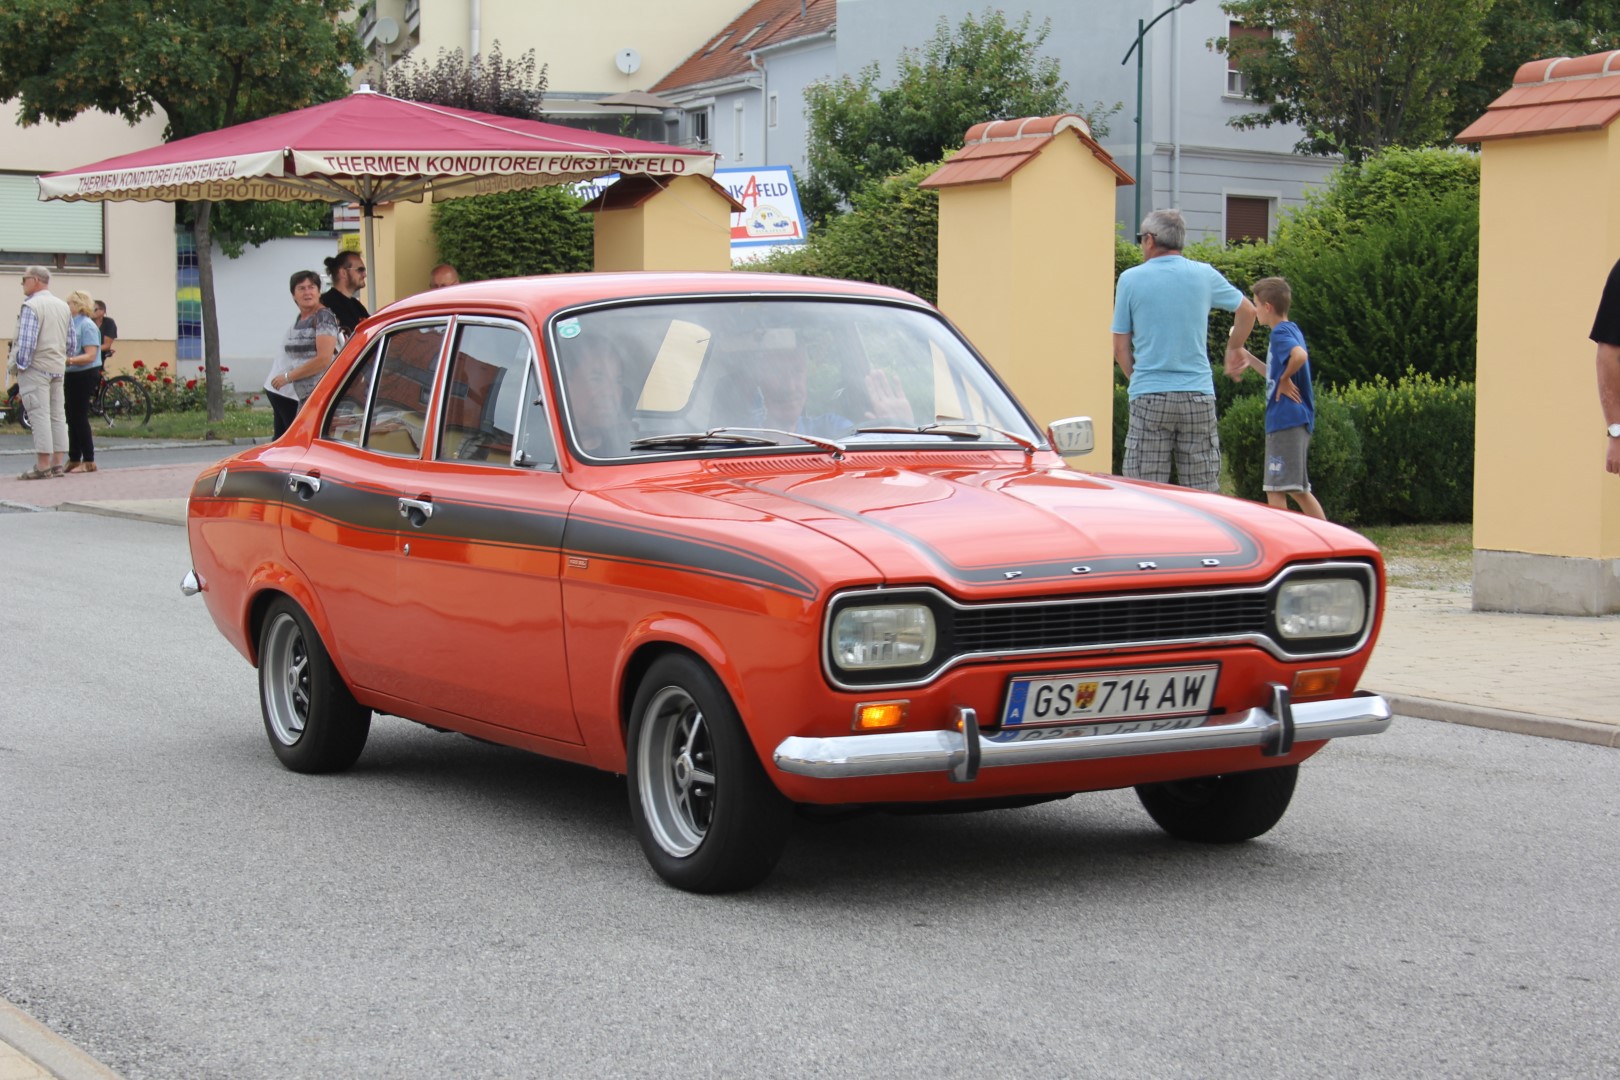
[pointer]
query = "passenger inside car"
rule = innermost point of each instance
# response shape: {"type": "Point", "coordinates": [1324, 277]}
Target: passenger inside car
{"type": "Point", "coordinates": [599, 400]}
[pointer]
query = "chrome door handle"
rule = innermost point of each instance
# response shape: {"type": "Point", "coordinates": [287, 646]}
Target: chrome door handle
{"type": "Point", "coordinates": [309, 480]}
{"type": "Point", "coordinates": [421, 506]}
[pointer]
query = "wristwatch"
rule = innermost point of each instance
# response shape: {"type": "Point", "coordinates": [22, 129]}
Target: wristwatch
{"type": "Point", "coordinates": [1614, 431]}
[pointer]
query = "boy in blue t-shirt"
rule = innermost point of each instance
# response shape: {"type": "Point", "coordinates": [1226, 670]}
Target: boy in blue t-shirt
{"type": "Point", "coordinates": [1290, 405]}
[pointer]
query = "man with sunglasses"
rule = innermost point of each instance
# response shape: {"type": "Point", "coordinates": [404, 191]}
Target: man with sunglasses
{"type": "Point", "coordinates": [348, 273]}
{"type": "Point", "coordinates": [1161, 331]}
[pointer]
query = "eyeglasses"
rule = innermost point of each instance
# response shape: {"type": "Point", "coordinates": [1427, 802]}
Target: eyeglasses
{"type": "Point", "coordinates": [1143, 235]}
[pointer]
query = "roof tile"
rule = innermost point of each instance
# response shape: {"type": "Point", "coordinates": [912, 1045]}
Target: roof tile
{"type": "Point", "coordinates": [996, 149]}
{"type": "Point", "coordinates": [767, 22]}
{"type": "Point", "coordinates": [1553, 95]}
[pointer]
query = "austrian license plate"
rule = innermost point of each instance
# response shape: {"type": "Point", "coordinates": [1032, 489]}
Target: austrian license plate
{"type": "Point", "coordinates": [1092, 696]}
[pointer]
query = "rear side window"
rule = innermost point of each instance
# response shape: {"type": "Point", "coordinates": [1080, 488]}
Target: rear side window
{"type": "Point", "coordinates": [404, 387]}
{"type": "Point", "coordinates": [346, 423]}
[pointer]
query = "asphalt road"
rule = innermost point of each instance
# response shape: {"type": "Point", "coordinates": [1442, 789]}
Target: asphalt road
{"type": "Point", "coordinates": [1438, 903]}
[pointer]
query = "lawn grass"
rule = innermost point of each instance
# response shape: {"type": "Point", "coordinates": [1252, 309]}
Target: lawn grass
{"type": "Point", "coordinates": [1426, 556]}
{"type": "Point", "coordinates": [238, 424]}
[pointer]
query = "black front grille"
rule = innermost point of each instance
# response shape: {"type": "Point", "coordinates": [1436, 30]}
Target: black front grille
{"type": "Point", "coordinates": [1030, 627]}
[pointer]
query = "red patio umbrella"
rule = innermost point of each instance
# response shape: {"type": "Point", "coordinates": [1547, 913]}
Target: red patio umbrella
{"type": "Point", "coordinates": [369, 148]}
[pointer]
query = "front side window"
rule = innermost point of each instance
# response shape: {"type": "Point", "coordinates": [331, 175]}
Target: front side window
{"type": "Point", "coordinates": [1236, 84]}
{"type": "Point", "coordinates": [735, 375]}
{"type": "Point", "coordinates": [491, 396]}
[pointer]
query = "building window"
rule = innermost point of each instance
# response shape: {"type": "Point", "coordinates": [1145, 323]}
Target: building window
{"type": "Point", "coordinates": [57, 235]}
{"type": "Point", "coordinates": [1236, 84]}
{"type": "Point", "coordinates": [700, 125]}
{"type": "Point", "coordinates": [771, 107]}
{"type": "Point", "coordinates": [1248, 219]}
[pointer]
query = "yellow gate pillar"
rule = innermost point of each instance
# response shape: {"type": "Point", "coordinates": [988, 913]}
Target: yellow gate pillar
{"type": "Point", "coordinates": [1546, 514]}
{"type": "Point", "coordinates": [663, 223]}
{"type": "Point", "coordinates": [1026, 263]}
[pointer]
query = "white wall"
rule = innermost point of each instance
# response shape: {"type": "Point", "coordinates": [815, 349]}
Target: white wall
{"type": "Point", "coordinates": [255, 304]}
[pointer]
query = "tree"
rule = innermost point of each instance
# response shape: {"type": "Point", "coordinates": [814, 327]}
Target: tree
{"type": "Point", "coordinates": [1357, 75]}
{"type": "Point", "coordinates": [985, 68]}
{"type": "Point", "coordinates": [207, 64]}
{"type": "Point", "coordinates": [491, 84]}
{"type": "Point", "coordinates": [1518, 31]}
{"type": "Point", "coordinates": [512, 233]}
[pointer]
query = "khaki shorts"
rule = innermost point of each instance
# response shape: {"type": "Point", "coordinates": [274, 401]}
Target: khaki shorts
{"type": "Point", "coordinates": [1285, 459]}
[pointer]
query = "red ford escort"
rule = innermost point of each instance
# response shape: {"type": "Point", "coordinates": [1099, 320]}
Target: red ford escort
{"type": "Point", "coordinates": [760, 542]}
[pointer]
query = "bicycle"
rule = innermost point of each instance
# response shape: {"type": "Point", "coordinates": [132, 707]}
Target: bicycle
{"type": "Point", "coordinates": [121, 401]}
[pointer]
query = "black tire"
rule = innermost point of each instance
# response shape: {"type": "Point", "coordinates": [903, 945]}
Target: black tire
{"type": "Point", "coordinates": [314, 723]}
{"type": "Point", "coordinates": [707, 816]}
{"type": "Point", "coordinates": [17, 414]}
{"type": "Point", "coordinates": [1221, 809]}
{"type": "Point", "coordinates": [124, 402]}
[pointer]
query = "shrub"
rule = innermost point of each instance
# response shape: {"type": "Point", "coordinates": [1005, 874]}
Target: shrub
{"type": "Point", "coordinates": [515, 233]}
{"type": "Point", "coordinates": [1336, 463]}
{"type": "Point", "coordinates": [1356, 196]}
{"type": "Point", "coordinates": [1417, 440]}
{"type": "Point", "coordinates": [169, 394]}
{"type": "Point", "coordinates": [889, 237]}
{"type": "Point", "coordinates": [1403, 294]}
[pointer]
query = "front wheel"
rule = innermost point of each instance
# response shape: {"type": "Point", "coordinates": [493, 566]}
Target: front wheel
{"type": "Point", "coordinates": [707, 816]}
{"type": "Point", "coordinates": [124, 402]}
{"type": "Point", "coordinates": [1221, 809]}
{"type": "Point", "coordinates": [314, 723]}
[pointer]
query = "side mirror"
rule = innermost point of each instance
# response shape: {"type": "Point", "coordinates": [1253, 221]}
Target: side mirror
{"type": "Point", "coordinates": [1072, 436]}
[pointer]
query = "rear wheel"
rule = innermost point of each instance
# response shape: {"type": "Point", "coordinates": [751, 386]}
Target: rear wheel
{"type": "Point", "coordinates": [1221, 809]}
{"type": "Point", "coordinates": [707, 816]}
{"type": "Point", "coordinates": [314, 723]}
{"type": "Point", "coordinates": [124, 402]}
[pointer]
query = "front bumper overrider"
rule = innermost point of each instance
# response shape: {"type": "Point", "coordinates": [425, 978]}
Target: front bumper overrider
{"type": "Point", "coordinates": [962, 750]}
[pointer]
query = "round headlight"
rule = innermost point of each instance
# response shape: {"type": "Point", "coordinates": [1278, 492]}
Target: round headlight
{"type": "Point", "coordinates": [897, 635]}
{"type": "Point", "coordinates": [1321, 607]}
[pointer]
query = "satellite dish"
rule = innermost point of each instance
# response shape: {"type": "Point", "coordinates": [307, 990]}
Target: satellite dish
{"type": "Point", "coordinates": [386, 30]}
{"type": "Point", "coordinates": [627, 61]}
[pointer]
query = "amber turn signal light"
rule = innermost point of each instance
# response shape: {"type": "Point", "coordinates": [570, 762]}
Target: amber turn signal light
{"type": "Point", "coordinates": [1315, 682]}
{"type": "Point", "coordinates": [880, 715]}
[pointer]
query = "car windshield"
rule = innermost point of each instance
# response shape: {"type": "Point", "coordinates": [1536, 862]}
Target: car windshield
{"type": "Point", "coordinates": [737, 375]}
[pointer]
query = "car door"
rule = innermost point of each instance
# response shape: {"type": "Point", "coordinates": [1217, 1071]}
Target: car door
{"type": "Point", "coordinates": [342, 527]}
{"type": "Point", "coordinates": [481, 531]}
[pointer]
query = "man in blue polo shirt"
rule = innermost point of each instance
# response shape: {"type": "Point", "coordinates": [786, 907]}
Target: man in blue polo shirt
{"type": "Point", "coordinates": [1161, 331]}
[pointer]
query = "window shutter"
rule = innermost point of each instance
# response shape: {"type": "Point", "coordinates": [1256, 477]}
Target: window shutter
{"type": "Point", "coordinates": [55, 228]}
{"type": "Point", "coordinates": [1247, 219]}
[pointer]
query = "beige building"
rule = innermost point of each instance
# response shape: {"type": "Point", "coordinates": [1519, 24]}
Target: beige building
{"type": "Point", "coordinates": [122, 253]}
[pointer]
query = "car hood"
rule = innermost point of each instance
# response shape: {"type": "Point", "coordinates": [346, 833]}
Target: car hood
{"type": "Point", "coordinates": [1024, 528]}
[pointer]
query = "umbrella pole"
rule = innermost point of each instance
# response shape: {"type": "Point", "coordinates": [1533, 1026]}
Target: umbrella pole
{"type": "Point", "coordinates": [371, 275]}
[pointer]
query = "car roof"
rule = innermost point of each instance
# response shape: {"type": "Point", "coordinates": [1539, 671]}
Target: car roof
{"type": "Point", "coordinates": [548, 293]}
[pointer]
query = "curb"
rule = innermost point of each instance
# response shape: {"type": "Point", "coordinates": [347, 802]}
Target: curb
{"type": "Point", "coordinates": [46, 1049]}
{"type": "Point", "coordinates": [1519, 723]}
{"type": "Point", "coordinates": [132, 509]}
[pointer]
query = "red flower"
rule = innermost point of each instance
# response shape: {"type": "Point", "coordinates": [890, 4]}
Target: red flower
{"type": "Point", "coordinates": [168, 381]}
{"type": "Point", "coordinates": [138, 365]}
{"type": "Point", "coordinates": [151, 378]}
{"type": "Point", "coordinates": [163, 365]}
{"type": "Point", "coordinates": [191, 384]}
{"type": "Point", "coordinates": [222, 367]}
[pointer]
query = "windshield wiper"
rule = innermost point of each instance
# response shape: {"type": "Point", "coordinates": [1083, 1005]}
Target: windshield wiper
{"type": "Point", "coordinates": [733, 437]}
{"type": "Point", "coordinates": [951, 428]}
{"type": "Point", "coordinates": [701, 438]}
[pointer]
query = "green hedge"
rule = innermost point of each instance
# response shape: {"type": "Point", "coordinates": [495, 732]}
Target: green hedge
{"type": "Point", "coordinates": [1383, 453]}
{"type": "Point", "coordinates": [515, 234]}
{"type": "Point", "coordinates": [1337, 464]}
{"type": "Point", "coordinates": [889, 237]}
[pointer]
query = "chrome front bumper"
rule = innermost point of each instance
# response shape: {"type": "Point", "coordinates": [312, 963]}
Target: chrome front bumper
{"type": "Point", "coordinates": [963, 751]}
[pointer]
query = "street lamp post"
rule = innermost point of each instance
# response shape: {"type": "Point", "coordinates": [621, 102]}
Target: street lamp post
{"type": "Point", "coordinates": [1136, 47]}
